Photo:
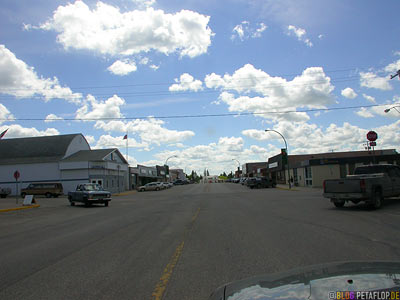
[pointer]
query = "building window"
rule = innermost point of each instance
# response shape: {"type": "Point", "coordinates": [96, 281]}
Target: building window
{"type": "Point", "coordinates": [112, 183]}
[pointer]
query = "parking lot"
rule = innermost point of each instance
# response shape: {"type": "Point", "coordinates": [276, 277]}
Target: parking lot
{"type": "Point", "coordinates": [183, 242]}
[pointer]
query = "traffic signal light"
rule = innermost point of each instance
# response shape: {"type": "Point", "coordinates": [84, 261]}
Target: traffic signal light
{"type": "Point", "coordinates": [284, 156]}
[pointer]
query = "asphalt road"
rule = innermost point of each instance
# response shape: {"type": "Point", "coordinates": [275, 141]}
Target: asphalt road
{"type": "Point", "coordinates": [182, 243]}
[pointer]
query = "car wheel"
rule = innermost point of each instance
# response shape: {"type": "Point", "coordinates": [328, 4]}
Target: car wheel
{"type": "Point", "coordinates": [87, 203]}
{"type": "Point", "coordinates": [338, 204]}
{"type": "Point", "coordinates": [23, 195]}
{"type": "Point", "coordinates": [157, 189]}
{"type": "Point", "coordinates": [72, 203]}
{"type": "Point", "coordinates": [48, 195]}
{"type": "Point", "coordinates": [377, 199]}
{"type": "Point", "coordinates": [141, 190]}
{"type": "Point", "coordinates": [3, 196]}
{"type": "Point", "coordinates": [106, 203]}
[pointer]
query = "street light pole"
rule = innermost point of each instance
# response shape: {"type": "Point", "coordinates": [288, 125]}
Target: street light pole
{"type": "Point", "coordinates": [238, 165]}
{"type": "Point", "coordinates": [287, 153]}
{"type": "Point", "coordinates": [394, 107]}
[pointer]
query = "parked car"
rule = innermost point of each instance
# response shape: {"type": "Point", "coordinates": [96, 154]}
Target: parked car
{"type": "Point", "coordinates": [235, 180]}
{"type": "Point", "coordinates": [4, 192]}
{"type": "Point", "coordinates": [178, 182]}
{"type": "Point", "coordinates": [259, 182]}
{"type": "Point", "coordinates": [167, 184]}
{"type": "Point", "coordinates": [370, 184]}
{"type": "Point", "coordinates": [89, 193]}
{"type": "Point", "coordinates": [243, 180]}
{"type": "Point", "coordinates": [151, 186]}
{"type": "Point", "coordinates": [48, 189]}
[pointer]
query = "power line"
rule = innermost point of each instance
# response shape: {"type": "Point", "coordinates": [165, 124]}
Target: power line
{"type": "Point", "coordinates": [217, 89]}
{"type": "Point", "coordinates": [170, 83]}
{"type": "Point", "coordinates": [197, 116]}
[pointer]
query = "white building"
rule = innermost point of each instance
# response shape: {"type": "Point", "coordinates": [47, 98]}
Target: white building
{"type": "Point", "coordinates": [67, 159]}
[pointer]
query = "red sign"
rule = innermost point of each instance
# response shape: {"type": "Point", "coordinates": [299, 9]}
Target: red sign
{"type": "Point", "coordinates": [372, 136]}
{"type": "Point", "coordinates": [372, 144]}
{"type": "Point", "coordinates": [16, 175]}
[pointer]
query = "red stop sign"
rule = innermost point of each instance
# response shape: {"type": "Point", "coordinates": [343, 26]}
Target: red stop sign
{"type": "Point", "coordinates": [372, 136]}
{"type": "Point", "coordinates": [16, 175]}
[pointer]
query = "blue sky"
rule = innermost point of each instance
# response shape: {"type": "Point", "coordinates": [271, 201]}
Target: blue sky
{"type": "Point", "coordinates": [114, 61]}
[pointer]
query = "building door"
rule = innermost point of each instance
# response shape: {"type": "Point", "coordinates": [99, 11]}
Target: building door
{"type": "Point", "coordinates": [308, 176]}
{"type": "Point", "coordinates": [296, 180]}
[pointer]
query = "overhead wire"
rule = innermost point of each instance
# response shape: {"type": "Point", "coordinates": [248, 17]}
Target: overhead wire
{"type": "Point", "coordinates": [216, 90]}
{"type": "Point", "coordinates": [170, 83]}
{"type": "Point", "coordinates": [196, 116]}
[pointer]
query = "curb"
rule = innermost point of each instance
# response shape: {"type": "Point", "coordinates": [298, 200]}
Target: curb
{"type": "Point", "coordinates": [286, 189]}
{"type": "Point", "coordinates": [125, 193]}
{"type": "Point", "coordinates": [19, 208]}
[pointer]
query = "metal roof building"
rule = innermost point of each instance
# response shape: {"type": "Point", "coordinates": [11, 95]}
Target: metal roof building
{"type": "Point", "coordinates": [63, 158]}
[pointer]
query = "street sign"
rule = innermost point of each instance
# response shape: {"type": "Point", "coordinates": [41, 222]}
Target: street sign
{"type": "Point", "coordinates": [16, 175]}
{"type": "Point", "coordinates": [372, 136]}
{"type": "Point", "coordinates": [372, 144]}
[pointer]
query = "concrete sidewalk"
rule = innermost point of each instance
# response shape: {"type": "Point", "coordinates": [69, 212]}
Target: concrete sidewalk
{"type": "Point", "coordinates": [298, 188]}
{"type": "Point", "coordinates": [10, 204]}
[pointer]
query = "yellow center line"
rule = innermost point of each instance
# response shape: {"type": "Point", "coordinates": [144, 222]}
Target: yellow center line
{"type": "Point", "coordinates": [167, 273]}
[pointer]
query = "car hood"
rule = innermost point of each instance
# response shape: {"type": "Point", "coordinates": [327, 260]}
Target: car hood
{"type": "Point", "coordinates": [316, 282]}
{"type": "Point", "coordinates": [98, 192]}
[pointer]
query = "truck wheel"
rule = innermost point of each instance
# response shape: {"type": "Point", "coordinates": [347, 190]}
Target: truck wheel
{"type": "Point", "coordinates": [106, 203]}
{"type": "Point", "coordinates": [377, 199]}
{"type": "Point", "coordinates": [339, 204]}
{"type": "Point", "coordinates": [3, 195]}
{"type": "Point", "coordinates": [157, 189]}
{"type": "Point", "coordinates": [87, 203]}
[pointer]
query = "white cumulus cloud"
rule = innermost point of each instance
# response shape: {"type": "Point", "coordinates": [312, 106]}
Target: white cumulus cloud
{"type": "Point", "coordinates": [372, 80]}
{"type": "Point", "coordinates": [20, 80]}
{"type": "Point", "coordinates": [52, 118]}
{"type": "Point", "coordinates": [107, 30]}
{"type": "Point", "coordinates": [95, 109]}
{"type": "Point", "coordinates": [5, 114]}
{"type": "Point", "coordinates": [186, 82]}
{"type": "Point", "coordinates": [311, 89]}
{"type": "Point", "coordinates": [300, 33]}
{"type": "Point", "coordinates": [365, 113]}
{"type": "Point", "coordinates": [312, 138]}
{"type": "Point", "coordinates": [122, 67]}
{"type": "Point", "coordinates": [151, 131]}
{"type": "Point", "coordinates": [17, 131]}
{"type": "Point", "coordinates": [349, 93]}
{"type": "Point", "coordinates": [244, 30]}
{"type": "Point", "coordinates": [369, 98]}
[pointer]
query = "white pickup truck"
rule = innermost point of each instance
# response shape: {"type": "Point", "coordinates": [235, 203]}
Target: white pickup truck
{"type": "Point", "coordinates": [370, 184]}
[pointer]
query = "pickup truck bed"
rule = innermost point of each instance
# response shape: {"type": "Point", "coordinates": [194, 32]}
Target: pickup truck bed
{"type": "Point", "coordinates": [370, 184]}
